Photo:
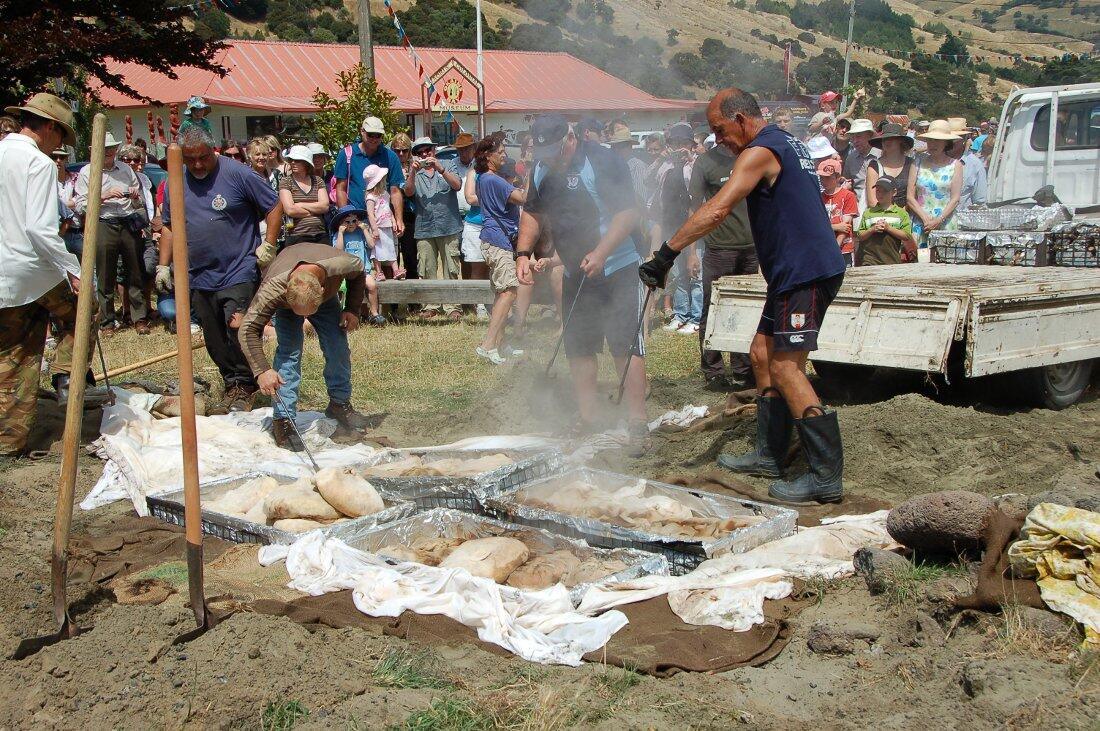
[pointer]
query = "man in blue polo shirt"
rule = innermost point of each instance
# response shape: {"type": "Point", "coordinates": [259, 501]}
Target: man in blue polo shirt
{"type": "Point", "coordinates": [584, 192]}
{"type": "Point", "coordinates": [804, 269]}
{"type": "Point", "coordinates": [370, 151]}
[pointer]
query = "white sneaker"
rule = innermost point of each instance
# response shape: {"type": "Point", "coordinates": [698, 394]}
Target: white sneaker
{"type": "Point", "coordinates": [482, 312]}
{"type": "Point", "coordinates": [673, 325]}
{"type": "Point", "coordinates": [689, 328]}
{"type": "Point", "coordinates": [493, 356]}
{"type": "Point", "coordinates": [510, 352]}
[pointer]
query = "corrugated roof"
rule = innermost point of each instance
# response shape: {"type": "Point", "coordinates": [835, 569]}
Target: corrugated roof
{"type": "Point", "coordinates": [282, 76]}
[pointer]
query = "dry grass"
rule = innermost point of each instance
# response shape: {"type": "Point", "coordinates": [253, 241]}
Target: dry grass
{"type": "Point", "coordinates": [1017, 637]}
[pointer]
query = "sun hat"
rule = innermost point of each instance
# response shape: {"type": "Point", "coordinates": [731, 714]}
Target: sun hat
{"type": "Point", "coordinates": [373, 125]}
{"type": "Point", "coordinates": [422, 142]}
{"type": "Point", "coordinates": [344, 211]}
{"type": "Point", "coordinates": [463, 140]}
{"type": "Point", "coordinates": [621, 136]}
{"type": "Point", "coordinates": [52, 108]}
{"type": "Point", "coordinates": [110, 141]}
{"type": "Point", "coordinates": [820, 147]}
{"type": "Point", "coordinates": [958, 124]}
{"type": "Point", "coordinates": [828, 168]}
{"type": "Point", "coordinates": [316, 148]}
{"type": "Point", "coordinates": [711, 141]}
{"type": "Point", "coordinates": [60, 152]}
{"type": "Point", "coordinates": [300, 153]}
{"type": "Point", "coordinates": [939, 129]}
{"type": "Point", "coordinates": [891, 131]}
{"type": "Point", "coordinates": [861, 125]}
{"type": "Point", "coordinates": [195, 102]}
{"type": "Point", "coordinates": [547, 133]}
{"type": "Point", "coordinates": [373, 174]}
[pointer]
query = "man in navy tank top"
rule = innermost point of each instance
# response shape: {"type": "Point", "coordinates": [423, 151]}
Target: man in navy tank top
{"type": "Point", "coordinates": [803, 266]}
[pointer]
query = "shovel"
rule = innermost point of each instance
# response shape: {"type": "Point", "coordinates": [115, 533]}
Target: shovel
{"type": "Point", "coordinates": [565, 326]}
{"type": "Point", "coordinates": [192, 510]}
{"type": "Point", "coordinates": [294, 426]}
{"type": "Point", "coordinates": [74, 409]}
{"type": "Point", "coordinates": [634, 346]}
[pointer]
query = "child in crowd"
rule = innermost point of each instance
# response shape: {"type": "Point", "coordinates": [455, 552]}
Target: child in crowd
{"type": "Point", "coordinates": [841, 204]}
{"type": "Point", "coordinates": [885, 230]}
{"type": "Point", "coordinates": [380, 218]}
{"type": "Point", "coordinates": [353, 236]}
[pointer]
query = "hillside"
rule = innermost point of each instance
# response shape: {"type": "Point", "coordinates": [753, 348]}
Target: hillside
{"type": "Point", "coordinates": [657, 44]}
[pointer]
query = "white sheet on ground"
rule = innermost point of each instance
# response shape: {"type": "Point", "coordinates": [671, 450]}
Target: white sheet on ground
{"type": "Point", "coordinates": [538, 626]}
{"type": "Point", "coordinates": [684, 417]}
{"type": "Point", "coordinates": [729, 591]}
{"type": "Point", "coordinates": [144, 455]}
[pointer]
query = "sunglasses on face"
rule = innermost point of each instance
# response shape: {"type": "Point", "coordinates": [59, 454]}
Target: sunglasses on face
{"type": "Point", "coordinates": [401, 150]}
{"type": "Point", "coordinates": [131, 159]}
{"type": "Point", "coordinates": [373, 135]}
{"type": "Point", "coordinates": [425, 152]}
{"type": "Point", "coordinates": [235, 154]}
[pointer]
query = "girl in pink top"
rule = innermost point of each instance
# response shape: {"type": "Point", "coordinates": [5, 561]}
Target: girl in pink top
{"type": "Point", "coordinates": [380, 217]}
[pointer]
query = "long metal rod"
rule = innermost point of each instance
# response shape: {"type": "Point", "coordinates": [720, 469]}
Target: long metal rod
{"type": "Point", "coordinates": [480, 75]}
{"type": "Point", "coordinates": [634, 345]}
{"type": "Point", "coordinates": [848, 56]}
{"type": "Point", "coordinates": [565, 326]}
{"type": "Point", "coordinates": [294, 426]}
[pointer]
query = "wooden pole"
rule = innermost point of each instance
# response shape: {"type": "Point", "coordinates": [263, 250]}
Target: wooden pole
{"type": "Point", "coordinates": [192, 516]}
{"type": "Point", "coordinates": [123, 370]}
{"type": "Point", "coordinates": [74, 408]}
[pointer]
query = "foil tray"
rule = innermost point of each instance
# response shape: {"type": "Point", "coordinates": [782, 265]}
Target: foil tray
{"type": "Point", "coordinates": [169, 508]}
{"type": "Point", "coordinates": [683, 554]}
{"type": "Point", "coordinates": [442, 522]}
{"type": "Point", "coordinates": [462, 493]}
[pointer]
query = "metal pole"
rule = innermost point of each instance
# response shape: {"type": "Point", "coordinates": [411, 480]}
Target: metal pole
{"type": "Point", "coordinates": [366, 45]}
{"type": "Point", "coordinates": [848, 55]}
{"type": "Point", "coordinates": [480, 75]}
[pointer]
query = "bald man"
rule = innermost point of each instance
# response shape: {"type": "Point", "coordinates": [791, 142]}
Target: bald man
{"type": "Point", "coordinates": [804, 269]}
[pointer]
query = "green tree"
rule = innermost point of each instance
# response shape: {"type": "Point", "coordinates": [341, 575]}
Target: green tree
{"type": "Point", "coordinates": [212, 25]}
{"type": "Point", "coordinates": [337, 120]}
{"type": "Point", "coordinates": [954, 47]}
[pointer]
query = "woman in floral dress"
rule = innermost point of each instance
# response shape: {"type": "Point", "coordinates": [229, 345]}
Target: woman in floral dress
{"type": "Point", "coordinates": [935, 183]}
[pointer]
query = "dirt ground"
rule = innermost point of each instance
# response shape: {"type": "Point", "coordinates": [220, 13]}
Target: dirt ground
{"type": "Point", "coordinates": [256, 671]}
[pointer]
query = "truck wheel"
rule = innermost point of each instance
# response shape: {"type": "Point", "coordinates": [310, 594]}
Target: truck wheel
{"type": "Point", "coordinates": [1056, 386]}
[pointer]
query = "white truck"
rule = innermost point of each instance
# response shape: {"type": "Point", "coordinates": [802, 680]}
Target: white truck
{"type": "Point", "coordinates": [1039, 325]}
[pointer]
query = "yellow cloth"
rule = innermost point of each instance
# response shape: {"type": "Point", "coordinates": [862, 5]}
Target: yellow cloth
{"type": "Point", "coordinates": [1060, 548]}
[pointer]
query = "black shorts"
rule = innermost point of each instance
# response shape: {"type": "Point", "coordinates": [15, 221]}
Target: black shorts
{"type": "Point", "coordinates": [793, 318]}
{"type": "Point", "coordinates": [607, 309]}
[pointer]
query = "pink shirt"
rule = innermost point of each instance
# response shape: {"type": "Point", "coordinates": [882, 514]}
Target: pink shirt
{"type": "Point", "coordinates": [380, 206]}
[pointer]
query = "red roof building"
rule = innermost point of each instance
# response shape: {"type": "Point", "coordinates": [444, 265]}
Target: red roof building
{"type": "Point", "coordinates": [270, 84]}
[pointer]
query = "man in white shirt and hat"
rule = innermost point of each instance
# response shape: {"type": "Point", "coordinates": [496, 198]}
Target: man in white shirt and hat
{"type": "Point", "coordinates": [122, 220]}
{"type": "Point", "coordinates": [859, 153]}
{"type": "Point", "coordinates": [39, 277]}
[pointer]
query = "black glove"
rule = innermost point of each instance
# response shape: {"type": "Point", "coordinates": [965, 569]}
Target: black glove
{"type": "Point", "coordinates": [654, 272]}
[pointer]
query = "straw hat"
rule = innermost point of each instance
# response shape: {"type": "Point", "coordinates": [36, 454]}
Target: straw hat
{"type": "Point", "coordinates": [52, 108]}
{"type": "Point", "coordinates": [620, 137]}
{"type": "Point", "coordinates": [939, 129]}
{"type": "Point", "coordinates": [958, 124]}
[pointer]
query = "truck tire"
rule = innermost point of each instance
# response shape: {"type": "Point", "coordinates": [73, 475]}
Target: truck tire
{"type": "Point", "coordinates": [1056, 386]}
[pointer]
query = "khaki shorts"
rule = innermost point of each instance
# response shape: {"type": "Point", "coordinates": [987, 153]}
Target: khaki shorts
{"type": "Point", "coordinates": [502, 267]}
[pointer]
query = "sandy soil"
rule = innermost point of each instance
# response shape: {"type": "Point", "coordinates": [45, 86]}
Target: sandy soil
{"type": "Point", "coordinates": [122, 674]}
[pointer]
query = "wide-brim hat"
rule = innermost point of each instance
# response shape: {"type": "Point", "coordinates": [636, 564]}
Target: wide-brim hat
{"type": "Point", "coordinates": [301, 153]}
{"type": "Point", "coordinates": [820, 148]}
{"type": "Point", "coordinates": [373, 175]}
{"type": "Point", "coordinates": [345, 211]}
{"type": "Point", "coordinates": [316, 148]}
{"type": "Point", "coordinates": [195, 102]}
{"type": "Point", "coordinates": [422, 142]}
{"type": "Point", "coordinates": [621, 137]}
{"type": "Point", "coordinates": [463, 140]}
{"type": "Point", "coordinates": [52, 108]}
{"type": "Point", "coordinates": [939, 129]}
{"type": "Point", "coordinates": [861, 125]}
{"type": "Point", "coordinates": [109, 141]}
{"type": "Point", "coordinates": [957, 124]}
{"type": "Point", "coordinates": [891, 131]}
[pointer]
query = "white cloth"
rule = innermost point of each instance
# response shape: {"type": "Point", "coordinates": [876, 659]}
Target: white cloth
{"type": "Point", "coordinates": [33, 258]}
{"type": "Point", "coordinates": [144, 455]}
{"type": "Point", "coordinates": [119, 178]}
{"type": "Point", "coordinates": [538, 626]}
{"type": "Point", "coordinates": [684, 417]}
{"type": "Point", "coordinates": [471, 242]}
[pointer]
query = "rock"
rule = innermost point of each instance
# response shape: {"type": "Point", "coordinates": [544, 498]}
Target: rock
{"type": "Point", "coordinates": [920, 630]}
{"type": "Point", "coordinates": [1090, 502]}
{"type": "Point", "coordinates": [827, 639]}
{"type": "Point", "coordinates": [879, 568]}
{"type": "Point", "coordinates": [1049, 626]}
{"type": "Point", "coordinates": [948, 523]}
{"type": "Point", "coordinates": [1058, 497]}
{"type": "Point", "coordinates": [944, 591]}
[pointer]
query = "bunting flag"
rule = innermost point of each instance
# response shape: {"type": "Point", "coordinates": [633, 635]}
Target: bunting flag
{"type": "Point", "coordinates": [434, 97]}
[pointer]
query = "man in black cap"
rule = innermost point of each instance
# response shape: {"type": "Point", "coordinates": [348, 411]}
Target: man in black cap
{"type": "Point", "coordinates": [584, 192]}
{"type": "Point", "coordinates": [804, 269]}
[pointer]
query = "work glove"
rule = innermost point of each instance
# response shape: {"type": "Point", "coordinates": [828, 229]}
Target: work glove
{"type": "Point", "coordinates": [654, 272]}
{"type": "Point", "coordinates": [265, 254]}
{"type": "Point", "coordinates": [164, 278]}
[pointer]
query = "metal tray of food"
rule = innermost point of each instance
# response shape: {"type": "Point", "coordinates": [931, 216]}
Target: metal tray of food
{"type": "Point", "coordinates": [460, 492]}
{"type": "Point", "coordinates": [1018, 248]}
{"type": "Point", "coordinates": [445, 523]}
{"type": "Point", "coordinates": [169, 508]}
{"type": "Point", "coordinates": [958, 247]}
{"type": "Point", "coordinates": [763, 522]}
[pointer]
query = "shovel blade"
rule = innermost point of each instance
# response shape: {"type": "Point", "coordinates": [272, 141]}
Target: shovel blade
{"type": "Point", "coordinates": [32, 645]}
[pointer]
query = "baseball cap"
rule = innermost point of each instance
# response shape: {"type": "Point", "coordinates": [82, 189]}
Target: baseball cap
{"type": "Point", "coordinates": [820, 147]}
{"type": "Point", "coordinates": [886, 182]}
{"type": "Point", "coordinates": [373, 125]}
{"type": "Point", "coordinates": [547, 133]}
{"type": "Point", "coordinates": [829, 96]}
{"type": "Point", "coordinates": [681, 131]}
{"type": "Point", "coordinates": [828, 168]}
{"type": "Point", "coordinates": [589, 123]}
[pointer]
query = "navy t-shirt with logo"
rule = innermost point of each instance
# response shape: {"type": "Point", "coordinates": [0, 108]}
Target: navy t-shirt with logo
{"type": "Point", "coordinates": [580, 202]}
{"type": "Point", "coordinates": [224, 211]}
{"type": "Point", "coordinates": [794, 240]}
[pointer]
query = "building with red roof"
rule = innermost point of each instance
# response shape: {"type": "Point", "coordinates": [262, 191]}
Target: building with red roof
{"type": "Point", "coordinates": [270, 84]}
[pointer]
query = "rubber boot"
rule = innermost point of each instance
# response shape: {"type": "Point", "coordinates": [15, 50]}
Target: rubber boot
{"type": "Point", "coordinates": [773, 438]}
{"type": "Point", "coordinates": [824, 454]}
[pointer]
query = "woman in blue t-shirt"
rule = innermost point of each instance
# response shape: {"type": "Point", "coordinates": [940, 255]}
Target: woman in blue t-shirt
{"type": "Point", "coordinates": [499, 201]}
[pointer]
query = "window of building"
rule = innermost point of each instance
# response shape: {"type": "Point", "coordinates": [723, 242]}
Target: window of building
{"type": "Point", "coordinates": [1078, 127]}
{"type": "Point", "coordinates": [288, 128]}
{"type": "Point", "coordinates": [443, 133]}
